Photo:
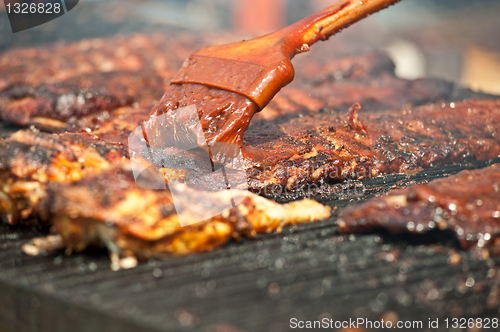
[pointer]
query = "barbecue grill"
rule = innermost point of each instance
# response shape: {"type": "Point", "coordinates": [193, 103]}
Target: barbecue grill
{"type": "Point", "coordinates": [308, 272]}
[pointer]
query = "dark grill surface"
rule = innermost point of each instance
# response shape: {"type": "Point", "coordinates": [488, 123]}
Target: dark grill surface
{"type": "Point", "coordinates": [307, 272]}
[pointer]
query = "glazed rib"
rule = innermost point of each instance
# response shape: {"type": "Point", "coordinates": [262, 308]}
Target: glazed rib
{"type": "Point", "coordinates": [367, 79]}
{"type": "Point", "coordinates": [313, 153]}
{"type": "Point", "coordinates": [467, 203]}
{"type": "Point", "coordinates": [52, 87]}
{"type": "Point", "coordinates": [89, 100]}
{"type": "Point", "coordinates": [311, 142]}
{"type": "Point", "coordinates": [109, 208]}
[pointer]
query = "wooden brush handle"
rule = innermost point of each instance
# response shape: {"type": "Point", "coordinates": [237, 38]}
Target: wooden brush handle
{"type": "Point", "coordinates": [329, 21]}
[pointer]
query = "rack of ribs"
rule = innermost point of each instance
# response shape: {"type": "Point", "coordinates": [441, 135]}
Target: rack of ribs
{"type": "Point", "coordinates": [467, 203]}
{"type": "Point", "coordinates": [99, 75]}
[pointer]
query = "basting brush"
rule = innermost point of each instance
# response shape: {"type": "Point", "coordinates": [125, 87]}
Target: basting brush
{"type": "Point", "coordinates": [228, 84]}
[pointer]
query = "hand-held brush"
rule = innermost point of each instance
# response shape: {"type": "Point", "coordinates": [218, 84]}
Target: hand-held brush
{"type": "Point", "coordinates": [229, 83]}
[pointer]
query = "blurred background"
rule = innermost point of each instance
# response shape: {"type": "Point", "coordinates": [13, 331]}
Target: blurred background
{"type": "Point", "coordinates": [457, 40]}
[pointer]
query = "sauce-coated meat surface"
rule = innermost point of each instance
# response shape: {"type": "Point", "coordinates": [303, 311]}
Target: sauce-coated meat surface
{"type": "Point", "coordinates": [330, 147]}
{"type": "Point", "coordinates": [467, 203]}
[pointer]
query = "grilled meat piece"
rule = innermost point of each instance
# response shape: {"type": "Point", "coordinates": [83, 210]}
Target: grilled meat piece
{"type": "Point", "coordinates": [318, 152]}
{"type": "Point", "coordinates": [30, 159]}
{"type": "Point", "coordinates": [381, 91]}
{"type": "Point", "coordinates": [342, 81]}
{"type": "Point", "coordinates": [7, 129]}
{"type": "Point", "coordinates": [109, 208]}
{"type": "Point", "coordinates": [328, 147]}
{"type": "Point", "coordinates": [53, 86]}
{"type": "Point", "coordinates": [467, 203]}
{"type": "Point", "coordinates": [53, 106]}
{"type": "Point", "coordinates": [372, 93]}
{"type": "Point", "coordinates": [83, 185]}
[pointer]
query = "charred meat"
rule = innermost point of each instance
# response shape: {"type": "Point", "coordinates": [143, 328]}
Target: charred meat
{"type": "Point", "coordinates": [86, 189]}
{"type": "Point", "coordinates": [73, 99]}
{"type": "Point", "coordinates": [467, 203]}
{"type": "Point", "coordinates": [331, 147]}
{"type": "Point", "coordinates": [30, 159]}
